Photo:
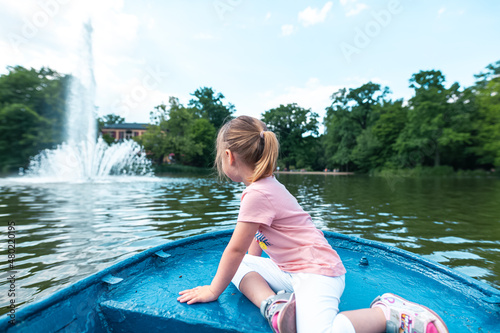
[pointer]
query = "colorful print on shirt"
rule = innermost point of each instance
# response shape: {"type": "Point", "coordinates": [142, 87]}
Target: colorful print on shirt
{"type": "Point", "coordinates": [262, 240]}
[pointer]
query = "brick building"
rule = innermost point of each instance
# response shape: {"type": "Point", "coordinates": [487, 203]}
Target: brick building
{"type": "Point", "coordinates": [124, 131]}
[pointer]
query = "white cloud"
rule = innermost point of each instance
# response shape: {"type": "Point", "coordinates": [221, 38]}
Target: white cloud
{"type": "Point", "coordinates": [268, 16]}
{"type": "Point", "coordinates": [311, 16]}
{"type": "Point", "coordinates": [203, 35]}
{"type": "Point", "coordinates": [8, 57]}
{"type": "Point", "coordinates": [151, 23]}
{"type": "Point", "coordinates": [352, 7]}
{"type": "Point", "coordinates": [287, 29]}
{"type": "Point", "coordinates": [49, 34]}
{"type": "Point", "coordinates": [441, 11]}
{"type": "Point", "coordinates": [19, 8]}
{"type": "Point", "coordinates": [312, 95]}
{"type": "Point", "coordinates": [356, 10]}
{"type": "Point", "coordinates": [113, 28]}
{"type": "Point", "coordinates": [130, 99]}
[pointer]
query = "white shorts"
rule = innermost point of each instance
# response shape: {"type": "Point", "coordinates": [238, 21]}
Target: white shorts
{"type": "Point", "coordinates": [317, 296]}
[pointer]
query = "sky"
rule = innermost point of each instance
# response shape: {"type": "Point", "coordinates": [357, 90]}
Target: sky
{"type": "Point", "coordinates": [258, 54]}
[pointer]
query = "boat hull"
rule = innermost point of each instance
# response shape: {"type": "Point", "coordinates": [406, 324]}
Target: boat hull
{"type": "Point", "coordinates": [139, 294]}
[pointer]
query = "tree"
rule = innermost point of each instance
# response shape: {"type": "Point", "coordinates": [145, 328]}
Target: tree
{"type": "Point", "coordinates": [363, 100]}
{"type": "Point", "coordinates": [38, 95]}
{"type": "Point", "coordinates": [177, 132]}
{"type": "Point", "coordinates": [155, 142]}
{"type": "Point", "coordinates": [43, 91]}
{"type": "Point", "coordinates": [463, 118]}
{"type": "Point", "coordinates": [488, 121]}
{"type": "Point", "coordinates": [432, 126]}
{"type": "Point", "coordinates": [110, 119]}
{"type": "Point", "coordinates": [208, 105]}
{"type": "Point", "coordinates": [203, 133]}
{"type": "Point", "coordinates": [492, 73]}
{"type": "Point", "coordinates": [178, 127]}
{"type": "Point", "coordinates": [20, 129]}
{"type": "Point", "coordinates": [291, 124]}
{"type": "Point", "coordinates": [392, 118]}
{"type": "Point", "coordinates": [340, 131]}
{"type": "Point", "coordinates": [351, 115]}
{"type": "Point", "coordinates": [365, 154]}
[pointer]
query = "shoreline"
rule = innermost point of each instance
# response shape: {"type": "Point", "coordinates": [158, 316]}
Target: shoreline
{"type": "Point", "coordinates": [331, 173]}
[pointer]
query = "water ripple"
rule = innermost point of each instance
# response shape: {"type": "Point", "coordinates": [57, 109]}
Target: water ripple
{"type": "Point", "coordinates": [69, 231]}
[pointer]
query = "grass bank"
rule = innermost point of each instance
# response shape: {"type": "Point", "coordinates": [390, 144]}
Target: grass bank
{"type": "Point", "coordinates": [181, 169]}
{"type": "Point", "coordinates": [442, 171]}
{"type": "Point", "coordinates": [315, 173]}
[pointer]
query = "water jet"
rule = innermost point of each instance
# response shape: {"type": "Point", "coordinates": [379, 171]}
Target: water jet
{"type": "Point", "coordinates": [84, 157]}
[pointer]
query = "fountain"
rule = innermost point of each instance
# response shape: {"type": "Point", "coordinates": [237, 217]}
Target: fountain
{"type": "Point", "coordinates": [82, 158]}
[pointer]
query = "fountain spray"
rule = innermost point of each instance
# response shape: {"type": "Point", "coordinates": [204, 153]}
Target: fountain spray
{"type": "Point", "coordinates": [84, 156]}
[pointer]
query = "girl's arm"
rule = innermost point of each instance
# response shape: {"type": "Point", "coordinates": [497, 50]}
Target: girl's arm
{"type": "Point", "coordinates": [255, 249]}
{"type": "Point", "coordinates": [231, 258]}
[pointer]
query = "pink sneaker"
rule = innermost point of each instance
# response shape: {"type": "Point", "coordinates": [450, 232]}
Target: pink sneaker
{"type": "Point", "coordinates": [406, 317]}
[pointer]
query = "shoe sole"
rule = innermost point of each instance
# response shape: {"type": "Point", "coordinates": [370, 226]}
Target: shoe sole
{"type": "Point", "coordinates": [443, 329]}
{"type": "Point", "coordinates": [287, 320]}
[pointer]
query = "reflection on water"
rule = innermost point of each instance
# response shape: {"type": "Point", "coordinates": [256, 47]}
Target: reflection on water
{"type": "Point", "coordinates": [69, 231]}
{"type": "Point", "coordinates": [455, 222]}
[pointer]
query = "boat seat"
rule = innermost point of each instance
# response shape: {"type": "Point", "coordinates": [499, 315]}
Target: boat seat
{"type": "Point", "coordinates": [147, 301]}
{"type": "Point", "coordinates": [135, 316]}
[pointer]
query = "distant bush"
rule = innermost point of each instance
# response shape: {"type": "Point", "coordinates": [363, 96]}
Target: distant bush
{"type": "Point", "coordinates": [477, 173]}
{"type": "Point", "coordinates": [179, 168]}
{"type": "Point", "coordinates": [441, 171]}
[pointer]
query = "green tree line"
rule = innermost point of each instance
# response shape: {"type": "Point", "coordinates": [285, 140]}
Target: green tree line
{"type": "Point", "coordinates": [32, 106]}
{"type": "Point", "coordinates": [439, 126]}
{"type": "Point", "coordinates": [186, 134]}
{"type": "Point", "coordinates": [363, 130]}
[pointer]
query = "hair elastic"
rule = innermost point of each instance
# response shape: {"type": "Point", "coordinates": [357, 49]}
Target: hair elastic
{"type": "Point", "coordinates": [262, 134]}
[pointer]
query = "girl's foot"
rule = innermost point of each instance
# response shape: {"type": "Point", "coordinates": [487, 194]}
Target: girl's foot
{"type": "Point", "coordinates": [406, 317]}
{"type": "Point", "coordinates": [279, 310]}
{"type": "Point", "coordinates": [287, 322]}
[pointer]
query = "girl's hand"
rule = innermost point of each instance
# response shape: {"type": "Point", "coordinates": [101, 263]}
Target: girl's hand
{"type": "Point", "coordinates": [197, 295]}
{"type": "Point", "coordinates": [240, 241]}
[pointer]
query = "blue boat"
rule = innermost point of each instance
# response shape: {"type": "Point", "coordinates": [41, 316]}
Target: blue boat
{"type": "Point", "coordinates": [139, 294]}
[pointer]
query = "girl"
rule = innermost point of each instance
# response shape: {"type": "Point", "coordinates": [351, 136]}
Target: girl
{"type": "Point", "coordinates": [303, 268]}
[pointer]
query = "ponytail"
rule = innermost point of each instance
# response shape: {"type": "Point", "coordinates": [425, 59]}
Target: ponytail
{"type": "Point", "coordinates": [267, 163]}
{"type": "Point", "coordinates": [249, 138]}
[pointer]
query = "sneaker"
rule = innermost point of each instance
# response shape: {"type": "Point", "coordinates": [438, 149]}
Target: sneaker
{"type": "Point", "coordinates": [279, 310]}
{"type": "Point", "coordinates": [406, 317]}
{"type": "Point", "coordinates": [287, 321]}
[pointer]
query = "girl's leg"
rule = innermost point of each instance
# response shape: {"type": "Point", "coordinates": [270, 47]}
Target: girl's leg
{"type": "Point", "coordinates": [317, 305]}
{"type": "Point", "coordinates": [367, 320]}
{"type": "Point", "coordinates": [255, 288]}
{"type": "Point", "coordinates": [258, 278]}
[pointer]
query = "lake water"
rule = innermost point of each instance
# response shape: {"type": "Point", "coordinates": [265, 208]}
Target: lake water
{"type": "Point", "coordinates": [66, 232]}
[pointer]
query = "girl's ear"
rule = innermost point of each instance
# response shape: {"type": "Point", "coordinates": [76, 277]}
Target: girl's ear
{"type": "Point", "coordinates": [230, 156]}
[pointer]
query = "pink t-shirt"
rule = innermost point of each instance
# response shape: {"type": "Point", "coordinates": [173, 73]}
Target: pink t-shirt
{"type": "Point", "coordinates": [287, 233]}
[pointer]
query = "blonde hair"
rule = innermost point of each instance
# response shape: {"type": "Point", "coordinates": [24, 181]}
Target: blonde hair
{"type": "Point", "coordinates": [249, 138]}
